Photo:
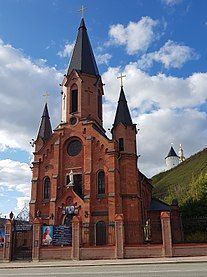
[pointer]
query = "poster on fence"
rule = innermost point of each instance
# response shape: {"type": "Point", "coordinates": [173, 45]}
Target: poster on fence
{"type": "Point", "coordinates": [47, 235]}
{"type": "Point", "coordinates": [2, 235]}
{"type": "Point", "coordinates": [62, 235]}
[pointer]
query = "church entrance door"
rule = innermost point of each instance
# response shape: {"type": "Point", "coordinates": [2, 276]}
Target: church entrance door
{"type": "Point", "coordinates": [68, 222]}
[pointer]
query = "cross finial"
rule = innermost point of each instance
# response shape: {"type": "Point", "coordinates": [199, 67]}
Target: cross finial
{"type": "Point", "coordinates": [121, 77]}
{"type": "Point", "coordinates": [82, 9]}
{"type": "Point", "coordinates": [46, 95]}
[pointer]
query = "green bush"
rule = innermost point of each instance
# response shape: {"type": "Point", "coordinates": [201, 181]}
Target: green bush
{"type": "Point", "coordinates": [196, 237]}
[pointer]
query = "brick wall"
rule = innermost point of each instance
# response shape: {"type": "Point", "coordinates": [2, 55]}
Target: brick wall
{"type": "Point", "coordinates": [145, 251]}
{"type": "Point", "coordinates": [191, 249]}
{"type": "Point", "coordinates": [96, 253]}
{"type": "Point", "coordinates": [55, 253]}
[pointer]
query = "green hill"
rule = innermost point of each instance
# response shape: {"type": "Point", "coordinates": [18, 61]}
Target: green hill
{"type": "Point", "coordinates": [174, 183]}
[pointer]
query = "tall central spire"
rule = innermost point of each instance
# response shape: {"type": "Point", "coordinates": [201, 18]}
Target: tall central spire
{"type": "Point", "coordinates": [83, 58]}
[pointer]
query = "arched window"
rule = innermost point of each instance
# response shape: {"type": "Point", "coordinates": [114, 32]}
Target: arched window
{"type": "Point", "coordinates": [101, 182]}
{"type": "Point", "coordinates": [74, 99]}
{"type": "Point", "coordinates": [46, 188]}
{"type": "Point", "coordinates": [100, 233]}
{"type": "Point", "coordinates": [121, 144]}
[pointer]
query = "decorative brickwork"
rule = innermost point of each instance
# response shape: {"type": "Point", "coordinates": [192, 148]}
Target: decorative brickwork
{"type": "Point", "coordinates": [7, 250]}
{"type": "Point", "coordinates": [166, 234]}
{"type": "Point", "coordinates": [36, 239]}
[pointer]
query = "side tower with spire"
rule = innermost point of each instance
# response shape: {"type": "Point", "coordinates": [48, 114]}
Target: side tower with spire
{"type": "Point", "coordinates": [124, 134]}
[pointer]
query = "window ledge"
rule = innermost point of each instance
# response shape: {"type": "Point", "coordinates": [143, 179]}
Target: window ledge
{"type": "Point", "coordinates": [46, 201]}
{"type": "Point", "coordinates": [101, 195]}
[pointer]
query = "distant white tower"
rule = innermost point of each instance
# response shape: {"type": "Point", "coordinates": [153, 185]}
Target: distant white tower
{"type": "Point", "coordinates": [172, 159]}
{"type": "Point", "coordinates": [181, 154]}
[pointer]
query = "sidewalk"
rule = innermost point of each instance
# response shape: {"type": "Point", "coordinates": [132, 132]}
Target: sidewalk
{"type": "Point", "coordinates": [43, 264]}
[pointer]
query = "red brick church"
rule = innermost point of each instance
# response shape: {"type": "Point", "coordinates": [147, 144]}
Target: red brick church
{"type": "Point", "coordinates": [79, 171]}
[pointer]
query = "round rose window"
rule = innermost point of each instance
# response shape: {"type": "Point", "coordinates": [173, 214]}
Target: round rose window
{"type": "Point", "coordinates": [74, 147]}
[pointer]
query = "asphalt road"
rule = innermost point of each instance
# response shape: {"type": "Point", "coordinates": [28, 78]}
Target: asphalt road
{"type": "Point", "coordinates": [159, 270]}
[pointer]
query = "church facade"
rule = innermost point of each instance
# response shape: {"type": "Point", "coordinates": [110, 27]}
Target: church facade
{"type": "Point", "coordinates": [79, 171]}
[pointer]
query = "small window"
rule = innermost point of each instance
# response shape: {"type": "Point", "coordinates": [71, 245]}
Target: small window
{"type": "Point", "coordinates": [74, 101]}
{"type": "Point", "coordinates": [121, 144]}
{"type": "Point", "coordinates": [46, 188]}
{"type": "Point", "coordinates": [101, 182]}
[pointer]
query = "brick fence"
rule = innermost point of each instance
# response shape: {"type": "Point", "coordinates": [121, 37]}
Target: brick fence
{"type": "Point", "coordinates": [117, 251]}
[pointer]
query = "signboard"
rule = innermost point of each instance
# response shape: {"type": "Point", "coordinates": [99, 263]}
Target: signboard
{"type": "Point", "coordinates": [2, 236]}
{"type": "Point", "coordinates": [23, 227]}
{"type": "Point", "coordinates": [47, 235]}
{"type": "Point", "coordinates": [56, 235]}
{"type": "Point", "coordinates": [62, 235]}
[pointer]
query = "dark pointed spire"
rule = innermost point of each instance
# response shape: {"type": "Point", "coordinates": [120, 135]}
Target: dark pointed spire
{"type": "Point", "coordinates": [83, 58]}
{"type": "Point", "coordinates": [122, 112]}
{"type": "Point", "coordinates": [172, 153]}
{"type": "Point", "coordinates": [45, 129]}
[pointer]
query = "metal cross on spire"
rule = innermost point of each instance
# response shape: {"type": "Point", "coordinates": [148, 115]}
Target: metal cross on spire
{"type": "Point", "coordinates": [121, 77]}
{"type": "Point", "coordinates": [46, 95]}
{"type": "Point", "coordinates": [82, 10]}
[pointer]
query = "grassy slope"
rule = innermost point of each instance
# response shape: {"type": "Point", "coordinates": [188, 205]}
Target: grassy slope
{"type": "Point", "coordinates": [174, 183]}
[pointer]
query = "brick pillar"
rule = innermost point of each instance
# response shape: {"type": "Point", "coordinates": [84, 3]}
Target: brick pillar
{"type": "Point", "coordinates": [166, 234]}
{"type": "Point", "coordinates": [75, 254]}
{"type": "Point", "coordinates": [7, 250]}
{"type": "Point", "coordinates": [119, 236]}
{"type": "Point", "coordinates": [36, 239]}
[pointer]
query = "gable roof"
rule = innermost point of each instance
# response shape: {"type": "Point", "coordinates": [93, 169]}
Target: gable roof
{"type": "Point", "coordinates": [158, 205]}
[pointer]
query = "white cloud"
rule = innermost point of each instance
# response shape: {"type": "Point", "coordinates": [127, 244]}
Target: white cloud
{"type": "Point", "coordinates": [136, 36]}
{"type": "Point", "coordinates": [15, 175]}
{"type": "Point", "coordinates": [21, 203]}
{"type": "Point", "coordinates": [172, 55]}
{"type": "Point", "coordinates": [15, 179]}
{"type": "Point", "coordinates": [103, 58]}
{"type": "Point", "coordinates": [23, 80]}
{"type": "Point", "coordinates": [67, 51]}
{"type": "Point", "coordinates": [171, 2]}
{"type": "Point", "coordinates": [159, 90]}
{"type": "Point", "coordinates": [186, 126]}
{"type": "Point", "coordinates": [165, 110]}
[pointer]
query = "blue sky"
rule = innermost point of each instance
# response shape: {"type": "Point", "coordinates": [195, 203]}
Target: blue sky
{"type": "Point", "coordinates": [159, 44]}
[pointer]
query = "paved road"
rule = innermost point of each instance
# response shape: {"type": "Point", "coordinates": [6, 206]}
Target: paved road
{"type": "Point", "coordinates": [161, 270]}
